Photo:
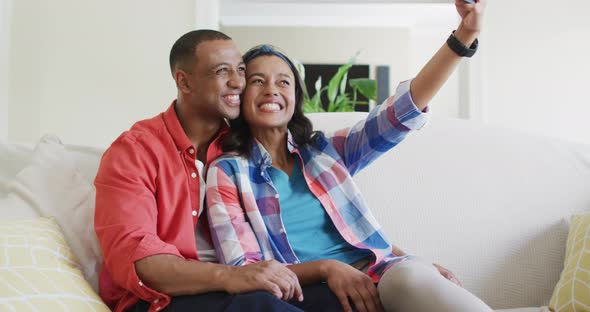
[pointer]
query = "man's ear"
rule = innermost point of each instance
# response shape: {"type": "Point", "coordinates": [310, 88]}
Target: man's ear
{"type": "Point", "coordinates": [181, 78]}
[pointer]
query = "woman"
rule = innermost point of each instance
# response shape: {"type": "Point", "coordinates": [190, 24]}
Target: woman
{"type": "Point", "coordinates": [286, 192]}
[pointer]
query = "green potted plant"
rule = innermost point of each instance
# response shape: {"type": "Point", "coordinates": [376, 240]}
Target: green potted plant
{"type": "Point", "coordinates": [338, 99]}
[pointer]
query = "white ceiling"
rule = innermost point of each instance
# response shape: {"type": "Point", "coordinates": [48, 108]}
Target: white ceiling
{"type": "Point", "coordinates": [332, 13]}
{"type": "Point", "coordinates": [344, 1]}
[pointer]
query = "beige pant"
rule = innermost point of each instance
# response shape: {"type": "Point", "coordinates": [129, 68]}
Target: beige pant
{"type": "Point", "coordinates": [417, 286]}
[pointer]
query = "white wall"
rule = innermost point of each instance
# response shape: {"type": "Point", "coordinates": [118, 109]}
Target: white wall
{"type": "Point", "coordinates": [324, 45]}
{"type": "Point", "coordinates": [86, 70]}
{"type": "Point", "coordinates": [536, 67]}
{"type": "Point", "coordinates": [5, 24]}
{"type": "Point", "coordinates": [403, 36]}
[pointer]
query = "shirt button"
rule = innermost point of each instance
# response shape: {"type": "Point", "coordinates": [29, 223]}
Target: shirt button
{"type": "Point", "coordinates": [157, 300]}
{"type": "Point", "coordinates": [276, 195]}
{"type": "Point", "coordinates": [194, 213]}
{"type": "Point", "coordinates": [191, 151]}
{"type": "Point", "coordinates": [262, 173]}
{"type": "Point", "coordinates": [140, 284]}
{"type": "Point", "coordinates": [282, 231]}
{"type": "Point", "coordinates": [193, 175]}
{"type": "Point", "coordinates": [158, 308]}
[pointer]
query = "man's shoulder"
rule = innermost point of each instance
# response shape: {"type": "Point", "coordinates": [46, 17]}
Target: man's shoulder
{"type": "Point", "coordinates": [143, 133]}
{"type": "Point", "coordinates": [147, 137]}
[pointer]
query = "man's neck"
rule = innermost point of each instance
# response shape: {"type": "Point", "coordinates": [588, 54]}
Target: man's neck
{"type": "Point", "coordinates": [199, 129]}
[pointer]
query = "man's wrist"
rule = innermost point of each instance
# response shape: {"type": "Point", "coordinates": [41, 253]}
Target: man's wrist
{"type": "Point", "coordinates": [222, 277]}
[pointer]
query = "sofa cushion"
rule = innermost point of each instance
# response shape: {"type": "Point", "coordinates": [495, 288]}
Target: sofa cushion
{"type": "Point", "coordinates": [39, 272]}
{"type": "Point", "coordinates": [52, 185]}
{"type": "Point", "coordinates": [572, 292]}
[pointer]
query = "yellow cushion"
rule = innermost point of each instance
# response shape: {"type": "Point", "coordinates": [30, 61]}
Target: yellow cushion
{"type": "Point", "coordinates": [39, 272]}
{"type": "Point", "coordinates": [572, 292]}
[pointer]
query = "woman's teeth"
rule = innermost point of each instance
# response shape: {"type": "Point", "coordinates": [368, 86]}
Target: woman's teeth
{"type": "Point", "coordinates": [270, 107]}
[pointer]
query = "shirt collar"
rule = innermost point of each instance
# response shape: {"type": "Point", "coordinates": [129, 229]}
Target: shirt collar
{"type": "Point", "coordinates": [262, 158]}
{"type": "Point", "coordinates": [182, 141]}
{"type": "Point", "coordinates": [175, 128]}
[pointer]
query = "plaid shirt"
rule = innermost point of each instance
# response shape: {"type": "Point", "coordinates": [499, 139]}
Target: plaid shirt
{"type": "Point", "coordinates": [243, 205]}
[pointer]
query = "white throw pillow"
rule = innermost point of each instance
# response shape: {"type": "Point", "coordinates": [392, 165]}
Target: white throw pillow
{"type": "Point", "coordinates": [53, 186]}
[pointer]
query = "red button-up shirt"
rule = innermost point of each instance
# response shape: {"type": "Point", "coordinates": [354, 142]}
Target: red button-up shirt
{"type": "Point", "coordinates": [148, 203]}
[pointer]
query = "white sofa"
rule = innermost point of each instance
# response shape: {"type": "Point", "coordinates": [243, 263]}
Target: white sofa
{"type": "Point", "coordinates": [490, 204]}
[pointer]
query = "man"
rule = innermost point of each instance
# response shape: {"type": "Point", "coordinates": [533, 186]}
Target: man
{"type": "Point", "coordinates": [149, 198]}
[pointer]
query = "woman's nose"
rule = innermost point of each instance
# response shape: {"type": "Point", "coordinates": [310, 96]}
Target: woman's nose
{"type": "Point", "coordinates": [270, 89]}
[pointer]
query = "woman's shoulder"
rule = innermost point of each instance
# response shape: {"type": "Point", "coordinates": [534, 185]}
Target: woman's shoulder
{"type": "Point", "coordinates": [231, 159]}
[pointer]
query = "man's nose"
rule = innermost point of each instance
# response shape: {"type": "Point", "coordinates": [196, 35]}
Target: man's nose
{"type": "Point", "coordinates": [236, 81]}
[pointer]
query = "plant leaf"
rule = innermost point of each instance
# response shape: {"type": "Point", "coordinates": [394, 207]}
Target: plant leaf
{"type": "Point", "coordinates": [343, 83]}
{"type": "Point", "coordinates": [367, 87]}
{"type": "Point", "coordinates": [335, 81]}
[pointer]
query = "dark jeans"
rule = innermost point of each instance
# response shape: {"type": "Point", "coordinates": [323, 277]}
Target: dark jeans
{"type": "Point", "coordinates": [317, 298]}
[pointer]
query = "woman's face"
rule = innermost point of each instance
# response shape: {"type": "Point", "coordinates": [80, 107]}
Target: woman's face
{"type": "Point", "coordinates": [269, 98]}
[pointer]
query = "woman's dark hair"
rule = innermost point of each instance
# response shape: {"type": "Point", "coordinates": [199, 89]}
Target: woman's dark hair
{"type": "Point", "coordinates": [240, 138]}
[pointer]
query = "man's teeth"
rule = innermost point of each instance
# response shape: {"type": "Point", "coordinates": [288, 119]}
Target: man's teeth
{"type": "Point", "coordinates": [270, 106]}
{"type": "Point", "coordinates": [233, 97]}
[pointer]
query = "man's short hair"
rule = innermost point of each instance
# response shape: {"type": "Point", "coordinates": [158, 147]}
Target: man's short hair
{"type": "Point", "coordinates": [183, 51]}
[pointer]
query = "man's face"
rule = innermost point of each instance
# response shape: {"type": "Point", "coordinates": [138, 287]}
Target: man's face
{"type": "Point", "coordinates": [216, 79]}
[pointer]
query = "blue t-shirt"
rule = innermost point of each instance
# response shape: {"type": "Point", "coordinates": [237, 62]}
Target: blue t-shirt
{"type": "Point", "coordinates": [310, 231]}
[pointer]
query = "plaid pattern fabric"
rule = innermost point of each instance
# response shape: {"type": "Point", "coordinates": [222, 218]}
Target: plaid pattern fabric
{"type": "Point", "coordinates": [243, 205]}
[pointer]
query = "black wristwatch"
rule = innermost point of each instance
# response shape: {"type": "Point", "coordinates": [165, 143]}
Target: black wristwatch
{"type": "Point", "coordinates": [459, 48]}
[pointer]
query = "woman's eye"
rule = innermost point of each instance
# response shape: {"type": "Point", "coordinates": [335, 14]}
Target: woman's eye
{"type": "Point", "coordinates": [285, 83]}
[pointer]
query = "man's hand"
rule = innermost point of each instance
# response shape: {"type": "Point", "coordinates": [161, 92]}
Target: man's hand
{"type": "Point", "coordinates": [448, 274]}
{"type": "Point", "coordinates": [270, 276]}
{"type": "Point", "coordinates": [349, 283]}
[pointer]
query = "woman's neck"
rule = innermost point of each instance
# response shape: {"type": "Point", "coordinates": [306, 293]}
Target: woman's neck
{"type": "Point", "coordinates": [275, 143]}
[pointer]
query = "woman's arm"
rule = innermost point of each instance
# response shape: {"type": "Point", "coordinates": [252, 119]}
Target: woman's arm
{"type": "Point", "coordinates": [389, 123]}
{"type": "Point", "coordinates": [437, 71]}
{"type": "Point", "coordinates": [232, 235]}
{"type": "Point", "coordinates": [344, 280]}
{"type": "Point", "coordinates": [234, 239]}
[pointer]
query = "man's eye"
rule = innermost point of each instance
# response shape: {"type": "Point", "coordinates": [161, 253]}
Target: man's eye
{"type": "Point", "coordinates": [241, 69]}
{"type": "Point", "coordinates": [222, 71]}
{"type": "Point", "coordinates": [256, 81]}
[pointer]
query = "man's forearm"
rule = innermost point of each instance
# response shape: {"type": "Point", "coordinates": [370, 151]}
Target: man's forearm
{"type": "Point", "coordinates": [174, 276]}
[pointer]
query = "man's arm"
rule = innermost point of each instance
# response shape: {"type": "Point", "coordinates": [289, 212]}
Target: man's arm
{"type": "Point", "coordinates": [175, 276]}
{"type": "Point", "coordinates": [135, 257]}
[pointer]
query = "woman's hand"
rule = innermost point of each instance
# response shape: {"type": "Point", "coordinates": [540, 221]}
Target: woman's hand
{"type": "Point", "coordinates": [349, 283]}
{"type": "Point", "coordinates": [448, 274]}
{"type": "Point", "coordinates": [471, 17]}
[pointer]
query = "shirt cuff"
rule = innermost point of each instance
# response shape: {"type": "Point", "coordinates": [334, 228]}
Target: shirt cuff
{"type": "Point", "coordinates": [405, 109]}
{"type": "Point", "coordinates": [150, 245]}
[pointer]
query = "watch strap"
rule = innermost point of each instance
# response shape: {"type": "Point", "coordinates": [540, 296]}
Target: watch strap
{"type": "Point", "coordinates": [459, 48]}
